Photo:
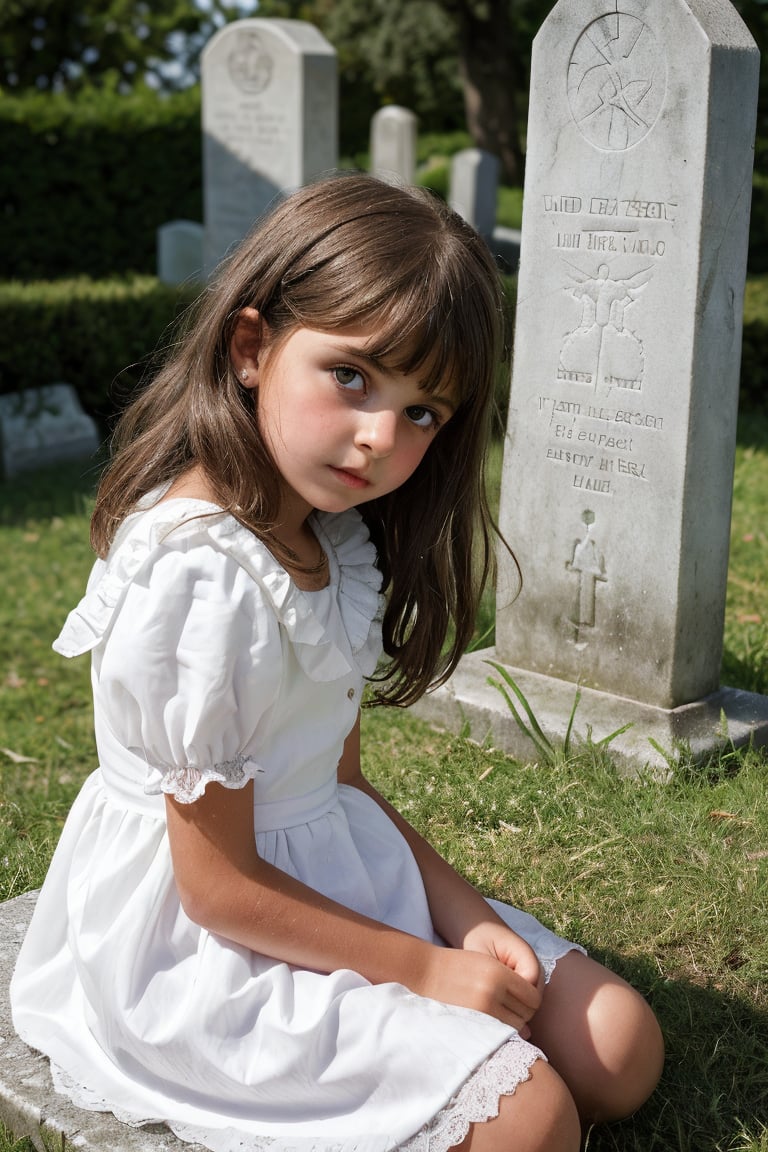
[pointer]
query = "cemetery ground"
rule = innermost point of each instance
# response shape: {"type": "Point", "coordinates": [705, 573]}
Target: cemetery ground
{"type": "Point", "coordinates": [665, 882]}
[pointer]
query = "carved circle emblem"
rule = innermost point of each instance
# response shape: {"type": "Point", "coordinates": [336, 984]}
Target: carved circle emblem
{"type": "Point", "coordinates": [250, 64]}
{"type": "Point", "coordinates": [617, 80]}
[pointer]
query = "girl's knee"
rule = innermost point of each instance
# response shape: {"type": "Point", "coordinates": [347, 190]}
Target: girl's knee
{"type": "Point", "coordinates": [626, 1059]}
{"type": "Point", "coordinates": [539, 1117]}
{"type": "Point", "coordinates": [602, 1037]}
{"type": "Point", "coordinates": [633, 1063]}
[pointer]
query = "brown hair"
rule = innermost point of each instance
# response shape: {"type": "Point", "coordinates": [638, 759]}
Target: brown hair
{"type": "Point", "coordinates": [349, 250]}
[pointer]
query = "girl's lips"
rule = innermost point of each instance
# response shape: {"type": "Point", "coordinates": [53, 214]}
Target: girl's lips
{"type": "Point", "coordinates": [351, 479]}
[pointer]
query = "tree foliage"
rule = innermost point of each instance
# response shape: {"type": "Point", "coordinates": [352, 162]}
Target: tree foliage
{"type": "Point", "coordinates": [65, 45]}
{"type": "Point", "coordinates": [456, 63]}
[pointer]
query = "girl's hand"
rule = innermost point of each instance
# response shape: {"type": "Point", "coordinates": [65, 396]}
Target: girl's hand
{"type": "Point", "coordinates": [499, 941]}
{"type": "Point", "coordinates": [505, 945]}
{"type": "Point", "coordinates": [476, 979]}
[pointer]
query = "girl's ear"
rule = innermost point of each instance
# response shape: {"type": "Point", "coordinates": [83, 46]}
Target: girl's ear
{"type": "Point", "coordinates": [247, 345]}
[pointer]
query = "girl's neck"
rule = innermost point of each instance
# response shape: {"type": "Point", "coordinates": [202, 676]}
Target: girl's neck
{"type": "Point", "coordinates": [298, 549]}
{"type": "Point", "coordinates": [191, 485]}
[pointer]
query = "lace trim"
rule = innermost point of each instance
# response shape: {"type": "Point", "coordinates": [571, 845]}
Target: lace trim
{"type": "Point", "coordinates": [478, 1098]}
{"type": "Point", "coordinates": [90, 1101]}
{"type": "Point", "coordinates": [187, 783]}
{"type": "Point", "coordinates": [475, 1102]}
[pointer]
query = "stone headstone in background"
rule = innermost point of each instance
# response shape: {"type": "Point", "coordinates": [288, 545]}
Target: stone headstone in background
{"type": "Point", "coordinates": [270, 112]}
{"type": "Point", "coordinates": [44, 426]}
{"type": "Point", "coordinates": [394, 132]}
{"type": "Point", "coordinates": [180, 252]}
{"type": "Point", "coordinates": [473, 190]}
{"type": "Point", "coordinates": [617, 476]}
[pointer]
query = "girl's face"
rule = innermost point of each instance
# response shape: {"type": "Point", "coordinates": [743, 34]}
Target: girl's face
{"type": "Point", "coordinates": [341, 427]}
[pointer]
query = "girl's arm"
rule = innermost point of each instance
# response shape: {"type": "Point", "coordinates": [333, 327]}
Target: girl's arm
{"type": "Point", "coordinates": [228, 889]}
{"type": "Point", "coordinates": [459, 913]}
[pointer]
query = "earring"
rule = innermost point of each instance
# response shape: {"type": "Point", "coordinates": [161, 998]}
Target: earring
{"type": "Point", "coordinates": [244, 373]}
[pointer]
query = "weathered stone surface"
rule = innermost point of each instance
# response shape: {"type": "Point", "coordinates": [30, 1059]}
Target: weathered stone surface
{"type": "Point", "coordinates": [269, 121]}
{"type": "Point", "coordinates": [654, 740]}
{"type": "Point", "coordinates": [44, 426]}
{"type": "Point", "coordinates": [618, 467]}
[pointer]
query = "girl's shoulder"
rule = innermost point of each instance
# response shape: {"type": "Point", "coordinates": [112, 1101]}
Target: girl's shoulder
{"type": "Point", "coordinates": [187, 543]}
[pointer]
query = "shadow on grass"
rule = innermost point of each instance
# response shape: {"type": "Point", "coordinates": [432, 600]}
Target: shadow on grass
{"type": "Point", "coordinates": [713, 1094]}
{"type": "Point", "coordinates": [62, 490]}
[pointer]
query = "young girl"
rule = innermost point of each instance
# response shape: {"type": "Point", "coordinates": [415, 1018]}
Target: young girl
{"type": "Point", "coordinates": [238, 935]}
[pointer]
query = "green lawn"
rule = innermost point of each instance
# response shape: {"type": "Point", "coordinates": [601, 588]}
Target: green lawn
{"type": "Point", "coordinates": [668, 883]}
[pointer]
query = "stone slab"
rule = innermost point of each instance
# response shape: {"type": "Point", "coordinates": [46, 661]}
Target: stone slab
{"type": "Point", "coordinates": [618, 466]}
{"type": "Point", "coordinates": [394, 132]}
{"type": "Point", "coordinates": [29, 1105]}
{"type": "Point", "coordinates": [654, 743]}
{"type": "Point", "coordinates": [180, 252]}
{"type": "Point", "coordinates": [269, 116]}
{"type": "Point", "coordinates": [474, 188]}
{"type": "Point", "coordinates": [44, 426]}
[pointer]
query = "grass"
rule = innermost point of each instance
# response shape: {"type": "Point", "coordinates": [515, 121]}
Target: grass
{"type": "Point", "coordinates": [666, 883]}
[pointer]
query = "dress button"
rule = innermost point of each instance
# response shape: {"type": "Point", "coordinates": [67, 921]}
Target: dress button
{"type": "Point", "coordinates": [351, 694]}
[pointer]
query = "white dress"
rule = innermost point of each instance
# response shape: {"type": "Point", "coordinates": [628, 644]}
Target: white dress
{"type": "Point", "coordinates": [208, 663]}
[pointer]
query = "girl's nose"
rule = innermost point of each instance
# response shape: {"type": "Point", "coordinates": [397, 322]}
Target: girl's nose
{"type": "Point", "coordinates": [376, 432]}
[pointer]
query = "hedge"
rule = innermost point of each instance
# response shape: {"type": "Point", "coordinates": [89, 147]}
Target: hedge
{"type": "Point", "coordinates": [101, 336]}
{"type": "Point", "coordinates": [98, 335]}
{"type": "Point", "coordinates": [86, 182]}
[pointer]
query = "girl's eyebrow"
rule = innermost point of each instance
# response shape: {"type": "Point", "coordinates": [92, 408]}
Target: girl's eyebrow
{"type": "Point", "coordinates": [352, 353]}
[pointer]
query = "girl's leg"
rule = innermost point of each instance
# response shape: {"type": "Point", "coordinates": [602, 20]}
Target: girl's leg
{"type": "Point", "coordinates": [539, 1117]}
{"type": "Point", "coordinates": [601, 1036]}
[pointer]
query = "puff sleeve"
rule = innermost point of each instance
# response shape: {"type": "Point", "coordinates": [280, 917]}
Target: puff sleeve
{"type": "Point", "coordinates": [191, 664]}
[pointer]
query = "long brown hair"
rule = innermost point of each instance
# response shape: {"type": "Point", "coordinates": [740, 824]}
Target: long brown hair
{"type": "Point", "coordinates": [345, 251]}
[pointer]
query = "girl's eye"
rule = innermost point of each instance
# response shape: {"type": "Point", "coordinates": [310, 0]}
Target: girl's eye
{"type": "Point", "coordinates": [422, 417]}
{"type": "Point", "coordinates": [349, 378]}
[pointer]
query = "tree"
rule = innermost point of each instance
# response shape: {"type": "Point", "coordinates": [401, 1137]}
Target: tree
{"type": "Point", "coordinates": [66, 44]}
{"type": "Point", "coordinates": [452, 61]}
{"type": "Point", "coordinates": [494, 40]}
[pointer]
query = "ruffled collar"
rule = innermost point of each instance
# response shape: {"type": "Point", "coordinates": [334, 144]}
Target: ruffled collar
{"type": "Point", "coordinates": [354, 580]}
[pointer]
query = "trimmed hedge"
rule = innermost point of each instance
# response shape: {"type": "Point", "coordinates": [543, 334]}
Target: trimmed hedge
{"type": "Point", "coordinates": [101, 336]}
{"type": "Point", "coordinates": [85, 182]}
{"type": "Point", "coordinates": [98, 335]}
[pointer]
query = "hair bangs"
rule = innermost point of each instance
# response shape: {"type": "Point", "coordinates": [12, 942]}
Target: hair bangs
{"type": "Point", "coordinates": [422, 317]}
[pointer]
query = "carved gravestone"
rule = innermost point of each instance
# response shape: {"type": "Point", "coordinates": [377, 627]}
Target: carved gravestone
{"type": "Point", "coordinates": [394, 133]}
{"type": "Point", "coordinates": [618, 464]}
{"type": "Point", "coordinates": [269, 91]}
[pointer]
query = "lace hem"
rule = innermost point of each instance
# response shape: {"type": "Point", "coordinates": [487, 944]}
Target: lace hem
{"type": "Point", "coordinates": [187, 783]}
{"type": "Point", "coordinates": [478, 1098]}
{"type": "Point", "coordinates": [475, 1102]}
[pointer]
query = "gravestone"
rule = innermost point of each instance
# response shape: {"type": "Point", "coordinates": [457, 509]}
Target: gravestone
{"type": "Point", "coordinates": [44, 426]}
{"type": "Point", "coordinates": [394, 133]}
{"type": "Point", "coordinates": [269, 92]}
{"type": "Point", "coordinates": [474, 187]}
{"type": "Point", "coordinates": [618, 463]}
{"type": "Point", "coordinates": [180, 252]}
